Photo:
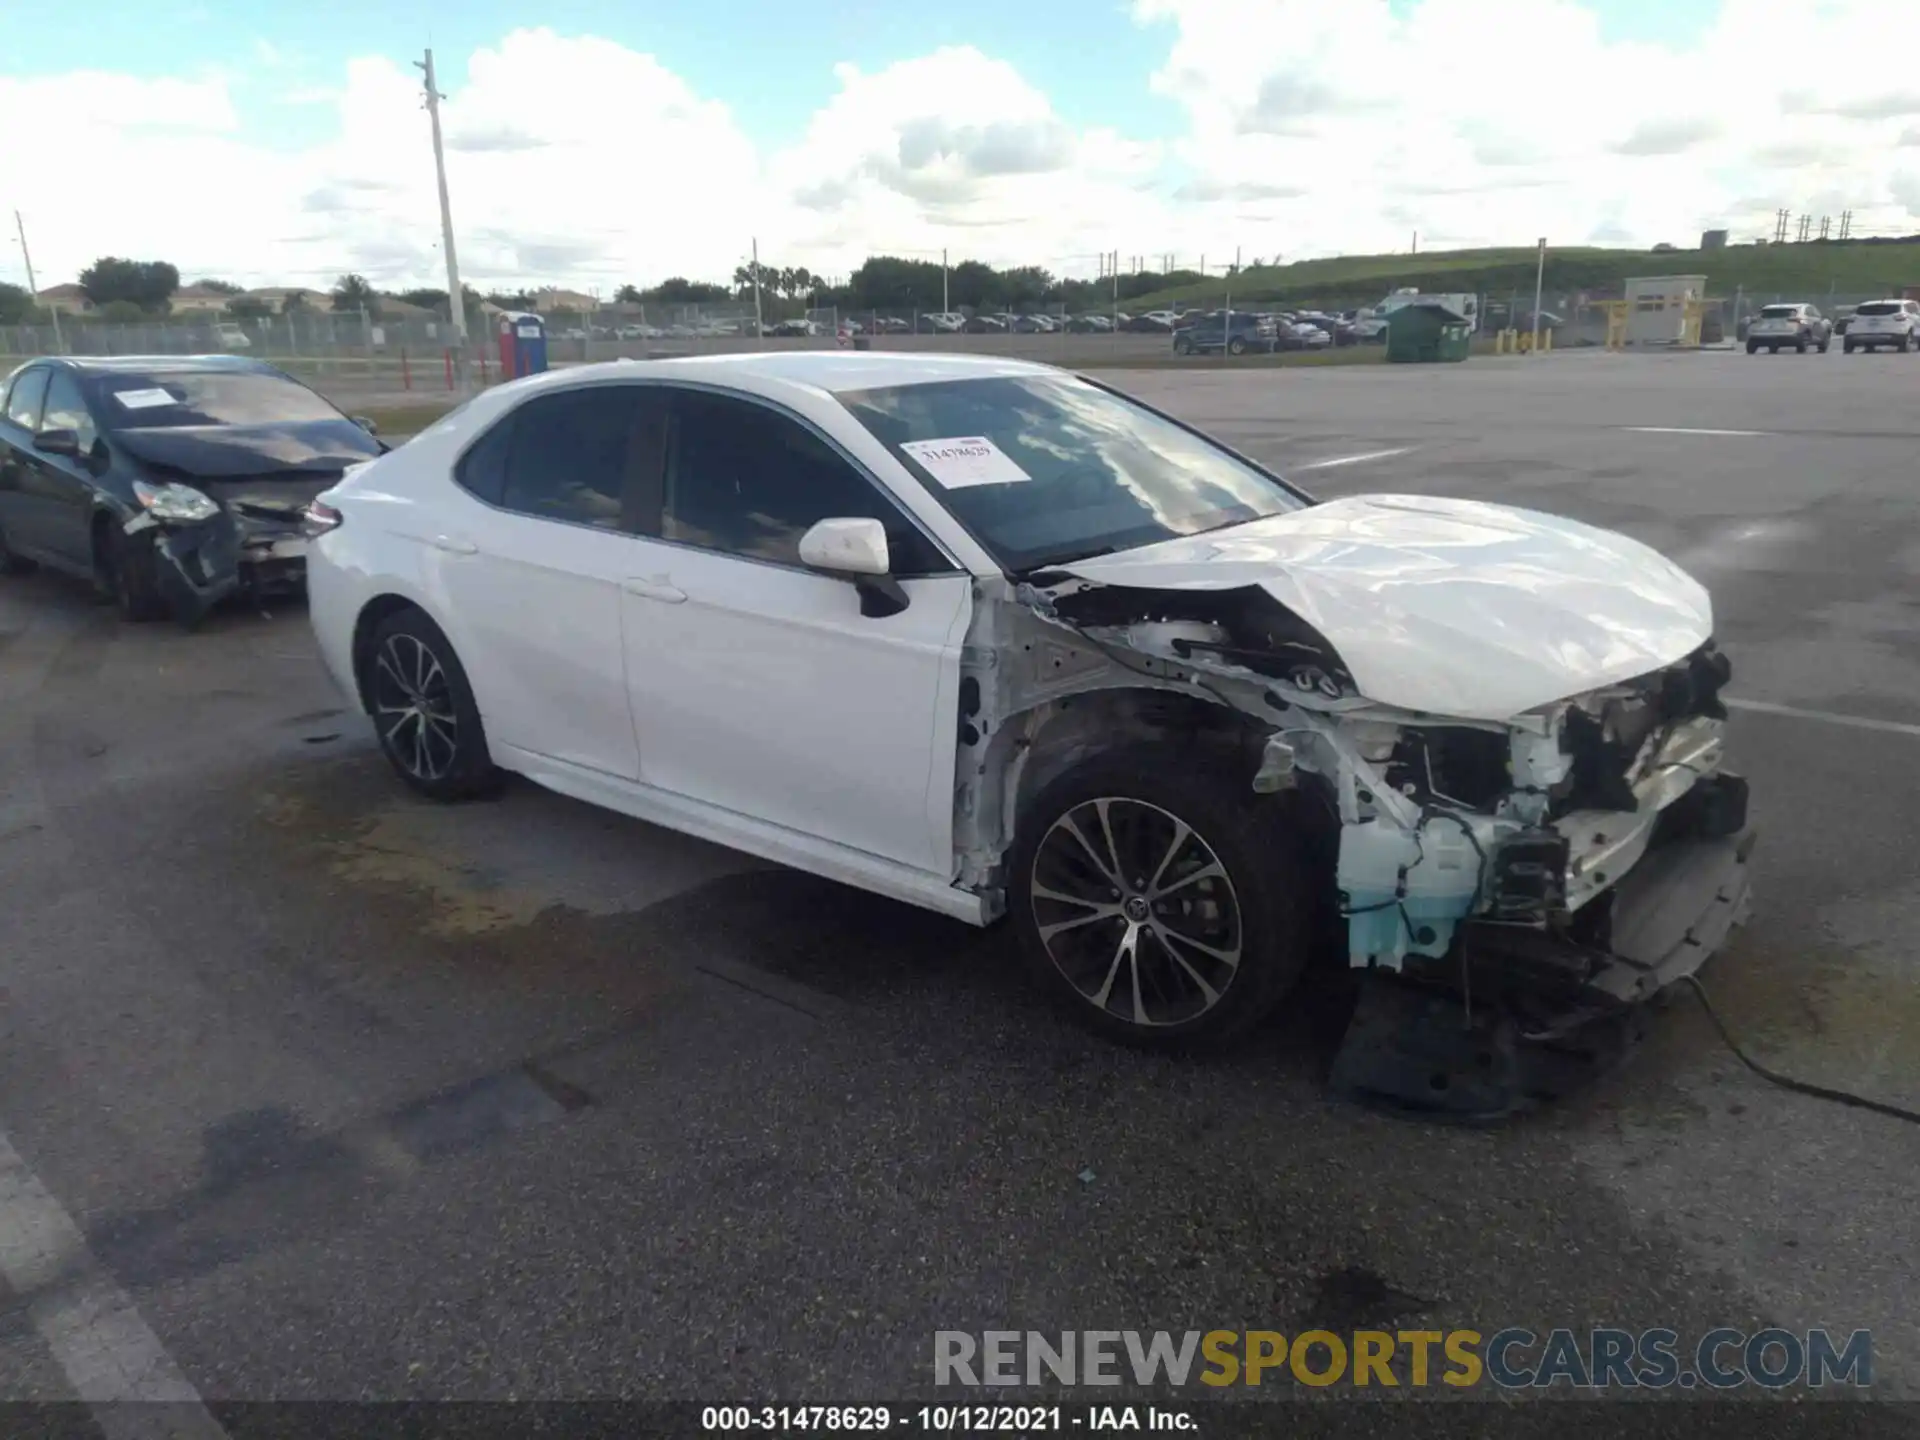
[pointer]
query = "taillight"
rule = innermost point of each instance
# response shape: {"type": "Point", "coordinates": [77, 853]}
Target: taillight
{"type": "Point", "coordinates": [318, 518]}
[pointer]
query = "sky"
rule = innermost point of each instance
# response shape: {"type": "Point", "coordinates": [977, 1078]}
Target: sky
{"type": "Point", "coordinates": [591, 143]}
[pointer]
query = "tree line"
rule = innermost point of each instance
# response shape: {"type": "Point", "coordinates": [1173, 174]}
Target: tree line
{"type": "Point", "coordinates": [124, 290]}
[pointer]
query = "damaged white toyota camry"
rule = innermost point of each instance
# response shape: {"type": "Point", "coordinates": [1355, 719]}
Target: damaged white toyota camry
{"type": "Point", "coordinates": [998, 640]}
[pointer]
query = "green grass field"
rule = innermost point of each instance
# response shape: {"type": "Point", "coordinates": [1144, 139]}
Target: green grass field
{"type": "Point", "coordinates": [1809, 271]}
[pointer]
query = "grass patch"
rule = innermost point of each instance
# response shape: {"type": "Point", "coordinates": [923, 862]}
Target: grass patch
{"type": "Point", "coordinates": [1810, 271]}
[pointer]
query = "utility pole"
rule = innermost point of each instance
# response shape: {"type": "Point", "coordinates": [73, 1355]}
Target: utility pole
{"type": "Point", "coordinates": [1846, 224]}
{"type": "Point", "coordinates": [1780, 218]}
{"type": "Point", "coordinates": [33, 286]}
{"type": "Point", "coordinates": [1824, 221]}
{"type": "Point", "coordinates": [945, 309]}
{"type": "Point", "coordinates": [759, 328]}
{"type": "Point", "coordinates": [1539, 283]}
{"type": "Point", "coordinates": [456, 297]}
{"type": "Point", "coordinates": [1416, 243]}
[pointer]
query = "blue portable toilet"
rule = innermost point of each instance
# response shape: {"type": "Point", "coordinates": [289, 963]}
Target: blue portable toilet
{"type": "Point", "coordinates": [523, 345]}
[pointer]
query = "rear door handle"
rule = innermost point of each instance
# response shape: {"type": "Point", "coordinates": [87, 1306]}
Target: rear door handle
{"type": "Point", "coordinates": [455, 546]}
{"type": "Point", "coordinates": [659, 588]}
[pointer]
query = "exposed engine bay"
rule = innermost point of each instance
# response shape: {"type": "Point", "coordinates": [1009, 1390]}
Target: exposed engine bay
{"type": "Point", "coordinates": [1501, 885]}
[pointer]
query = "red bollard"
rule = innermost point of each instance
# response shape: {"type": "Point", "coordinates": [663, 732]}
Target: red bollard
{"type": "Point", "coordinates": [449, 369]}
{"type": "Point", "coordinates": [406, 374]}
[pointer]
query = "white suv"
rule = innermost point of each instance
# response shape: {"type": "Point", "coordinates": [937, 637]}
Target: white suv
{"type": "Point", "coordinates": [1893, 323]}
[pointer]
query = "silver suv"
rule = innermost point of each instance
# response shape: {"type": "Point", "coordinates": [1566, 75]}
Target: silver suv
{"type": "Point", "coordinates": [1801, 326]}
{"type": "Point", "coordinates": [1892, 323]}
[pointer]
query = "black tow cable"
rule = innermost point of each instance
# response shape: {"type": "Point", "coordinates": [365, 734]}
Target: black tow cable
{"type": "Point", "coordinates": [1787, 1082]}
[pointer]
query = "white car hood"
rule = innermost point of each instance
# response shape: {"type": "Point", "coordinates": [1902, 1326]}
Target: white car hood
{"type": "Point", "coordinates": [1451, 607]}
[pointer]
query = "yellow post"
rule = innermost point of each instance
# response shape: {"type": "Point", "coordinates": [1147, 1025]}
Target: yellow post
{"type": "Point", "coordinates": [1546, 339]}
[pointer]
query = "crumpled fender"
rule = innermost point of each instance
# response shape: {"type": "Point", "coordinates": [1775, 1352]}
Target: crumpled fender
{"type": "Point", "coordinates": [195, 566]}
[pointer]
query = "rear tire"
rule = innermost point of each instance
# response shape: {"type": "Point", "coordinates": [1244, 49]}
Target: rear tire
{"type": "Point", "coordinates": [1206, 929]}
{"type": "Point", "coordinates": [423, 709]}
{"type": "Point", "coordinates": [126, 566]}
{"type": "Point", "coordinates": [1906, 342]}
{"type": "Point", "coordinates": [1800, 346]}
{"type": "Point", "coordinates": [1825, 345]}
{"type": "Point", "coordinates": [1846, 347]}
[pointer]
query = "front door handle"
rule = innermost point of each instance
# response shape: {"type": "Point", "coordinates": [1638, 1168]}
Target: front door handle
{"type": "Point", "coordinates": [455, 546]}
{"type": "Point", "coordinates": [657, 588]}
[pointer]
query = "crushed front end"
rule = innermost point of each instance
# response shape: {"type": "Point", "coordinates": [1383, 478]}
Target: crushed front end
{"type": "Point", "coordinates": [1513, 898]}
{"type": "Point", "coordinates": [1508, 891]}
{"type": "Point", "coordinates": [242, 535]}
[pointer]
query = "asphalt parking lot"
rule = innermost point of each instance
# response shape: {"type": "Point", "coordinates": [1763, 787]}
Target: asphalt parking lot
{"type": "Point", "coordinates": [354, 1097]}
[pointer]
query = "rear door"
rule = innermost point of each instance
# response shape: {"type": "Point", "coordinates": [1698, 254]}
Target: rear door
{"type": "Point", "coordinates": [532, 559]}
{"type": "Point", "coordinates": [26, 396]}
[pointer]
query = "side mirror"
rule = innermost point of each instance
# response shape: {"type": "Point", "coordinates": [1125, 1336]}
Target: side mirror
{"type": "Point", "coordinates": [856, 550]}
{"type": "Point", "coordinates": [57, 442]}
{"type": "Point", "coordinates": [366, 424]}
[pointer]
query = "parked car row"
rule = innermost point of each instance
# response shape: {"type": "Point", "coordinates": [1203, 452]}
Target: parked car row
{"type": "Point", "coordinates": [1799, 326]}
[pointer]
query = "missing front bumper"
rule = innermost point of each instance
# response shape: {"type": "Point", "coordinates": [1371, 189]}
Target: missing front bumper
{"type": "Point", "coordinates": [1568, 1009]}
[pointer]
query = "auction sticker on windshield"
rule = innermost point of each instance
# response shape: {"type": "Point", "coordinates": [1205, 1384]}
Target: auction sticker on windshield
{"type": "Point", "coordinates": [965, 460]}
{"type": "Point", "coordinates": [144, 399]}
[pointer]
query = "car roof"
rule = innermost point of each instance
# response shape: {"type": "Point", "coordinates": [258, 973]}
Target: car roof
{"type": "Point", "coordinates": [768, 372]}
{"type": "Point", "coordinates": [160, 364]}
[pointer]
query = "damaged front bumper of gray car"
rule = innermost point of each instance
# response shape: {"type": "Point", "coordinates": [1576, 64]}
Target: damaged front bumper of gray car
{"type": "Point", "coordinates": [253, 551]}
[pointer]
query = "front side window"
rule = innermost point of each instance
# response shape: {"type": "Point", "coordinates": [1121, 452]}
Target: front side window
{"type": "Point", "coordinates": [23, 400]}
{"type": "Point", "coordinates": [67, 410]}
{"type": "Point", "coordinates": [746, 480]}
{"type": "Point", "coordinates": [1045, 469]}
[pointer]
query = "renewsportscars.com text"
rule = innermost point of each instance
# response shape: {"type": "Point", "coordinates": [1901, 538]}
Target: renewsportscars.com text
{"type": "Point", "coordinates": [1600, 1358]}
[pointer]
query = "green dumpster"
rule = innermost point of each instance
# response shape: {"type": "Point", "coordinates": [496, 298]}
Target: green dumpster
{"type": "Point", "coordinates": [1428, 331]}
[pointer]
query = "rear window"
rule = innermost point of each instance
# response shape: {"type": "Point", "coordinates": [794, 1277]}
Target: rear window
{"type": "Point", "coordinates": [1784, 312]}
{"type": "Point", "coordinates": [168, 399]}
{"type": "Point", "coordinates": [1879, 307]}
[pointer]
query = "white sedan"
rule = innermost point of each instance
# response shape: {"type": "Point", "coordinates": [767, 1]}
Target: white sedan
{"type": "Point", "coordinates": [994, 639]}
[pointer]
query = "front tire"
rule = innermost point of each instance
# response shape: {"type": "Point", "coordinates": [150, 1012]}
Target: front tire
{"type": "Point", "coordinates": [1846, 347]}
{"type": "Point", "coordinates": [424, 711]}
{"type": "Point", "coordinates": [1753, 347]}
{"type": "Point", "coordinates": [1160, 900]}
{"type": "Point", "coordinates": [1183, 347]}
{"type": "Point", "coordinates": [1906, 342]}
{"type": "Point", "coordinates": [1236, 346]}
{"type": "Point", "coordinates": [10, 563]}
{"type": "Point", "coordinates": [128, 575]}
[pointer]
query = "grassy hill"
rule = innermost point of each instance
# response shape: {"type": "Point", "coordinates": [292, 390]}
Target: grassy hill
{"type": "Point", "coordinates": [1809, 271]}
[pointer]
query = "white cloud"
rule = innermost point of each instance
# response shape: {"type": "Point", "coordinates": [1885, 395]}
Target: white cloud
{"type": "Point", "coordinates": [1489, 121]}
{"type": "Point", "coordinates": [1308, 128]}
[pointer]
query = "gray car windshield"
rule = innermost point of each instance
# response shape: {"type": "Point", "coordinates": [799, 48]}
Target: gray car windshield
{"type": "Point", "coordinates": [1046, 469]}
{"type": "Point", "coordinates": [166, 399]}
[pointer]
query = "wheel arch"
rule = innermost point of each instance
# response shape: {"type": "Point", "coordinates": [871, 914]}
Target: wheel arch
{"type": "Point", "coordinates": [366, 624]}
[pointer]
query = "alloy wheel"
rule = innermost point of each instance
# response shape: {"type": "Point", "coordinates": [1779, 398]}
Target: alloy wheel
{"type": "Point", "coordinates": [1136, 911]}
{"type": "Point", "coordinates": [413, 708]}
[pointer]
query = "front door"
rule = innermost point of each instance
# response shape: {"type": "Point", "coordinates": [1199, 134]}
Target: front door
{"type": "Point", "coordinates": [758, 686]}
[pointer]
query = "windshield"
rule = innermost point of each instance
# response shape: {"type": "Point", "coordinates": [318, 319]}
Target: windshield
{"type": "Point", "coordinates": [1779, 312]}
{"type": "Point", "coordinates": [1878, 307]}
{"type": "Point", "coordinates": [1044, 469]}
{"type": "Point", "coordinates": [167, 399]}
